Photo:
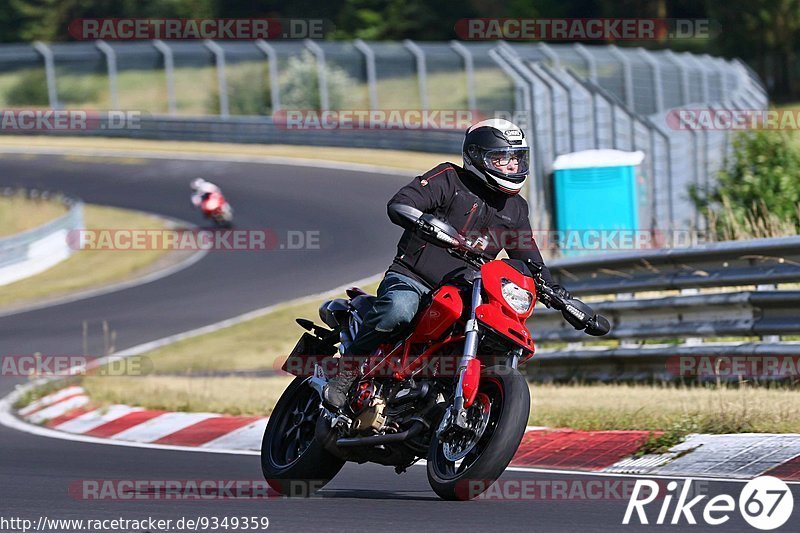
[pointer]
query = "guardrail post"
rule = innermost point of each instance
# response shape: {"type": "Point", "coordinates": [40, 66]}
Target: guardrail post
{"type": "Point", "coordinates": [691, 341]}
{"type": "Point", "coordinates": [469, 72]}
{"type": "Point", "coordinates": [322, 75]}
{"type": "Point", "coordinates": [111, 65]}
{"type": "Point", "coordinates": [169, 73]}
{"type": "Point", "coordinates": [222, 82]}
{"type": "Point", "coordinates": [422, 71]}
{"type": "Point", "coordinates": [369, 61]}
{"type": "Point", "coordinates": [49, 72]}
{"type": "Point", "coordinates": [274, 83]}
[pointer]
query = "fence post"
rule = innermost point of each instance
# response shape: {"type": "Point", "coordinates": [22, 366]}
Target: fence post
{"type": "Point", "coordinates": [111, 65]}
{"type": "Point", "coordinates": [222, 82]}
{"type": "Point", "coordinates": [469, 72]}
{"type": "Point", "coordinates": [627, 74]}
{"type": "Point", "coordinates": [703, 75]}
{"type": "Point", "coordinates": [592, 67]}
{"type": "Point", "coordinates": [552, 56]}
{"type": "Point", "coordinates": [658, 88]}
{"type": "Point", "coordinates": [372, 82]}
{"type": "Point", "coordinates": [322, 75]}
{"type": "Point", "coordinates": [49, 72]}
{"type": "Point", "coordinates": [686, 93]}
{"type": "Point", "coordinates": [274, 83]}
{"type": "Point", "coordinates": [422, 71]}
{"type": "Point", "coordinates": [546, 74]}
{"type": "Point", "coordinates": [527, 105]}
{"type": "Point", "coordinates": [169, 73]}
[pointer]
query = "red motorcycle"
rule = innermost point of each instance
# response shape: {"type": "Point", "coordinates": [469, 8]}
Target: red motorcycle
{"type": "Point", "coordinates": [214, 206]}
{"type": "Point", "coordinates": [448, 391]}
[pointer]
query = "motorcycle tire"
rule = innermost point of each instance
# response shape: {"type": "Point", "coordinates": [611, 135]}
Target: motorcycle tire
{"type": "Point", "coordinates": [509, 406]}
{"type": "Point", "coordinates": [293, 461]}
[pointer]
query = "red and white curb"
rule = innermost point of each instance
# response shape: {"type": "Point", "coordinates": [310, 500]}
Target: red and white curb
{"type": "Point", "coordinates": [731, 456]}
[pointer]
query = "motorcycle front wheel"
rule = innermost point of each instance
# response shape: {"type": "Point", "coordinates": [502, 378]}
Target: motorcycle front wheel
{"type": "Point", "coordinates": [293, 461]}
{"type": "Point", "coordinates": [464, 466]}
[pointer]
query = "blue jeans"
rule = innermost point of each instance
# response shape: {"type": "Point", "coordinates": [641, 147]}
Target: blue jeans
{"type": "Point", "coordinates": [394, 309]}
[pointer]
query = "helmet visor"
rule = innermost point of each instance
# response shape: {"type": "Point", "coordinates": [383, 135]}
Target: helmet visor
{"type": "Point", "coordinates": [507, 161]}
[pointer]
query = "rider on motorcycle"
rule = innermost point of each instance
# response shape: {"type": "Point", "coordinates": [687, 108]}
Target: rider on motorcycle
{"type": "Point", "coordinates": [480, 198]}
{"type": "Point", "coordinates": [200, 188]}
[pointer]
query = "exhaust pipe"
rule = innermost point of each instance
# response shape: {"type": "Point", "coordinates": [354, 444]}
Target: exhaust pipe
{"type": "Point", "coordinates": [376, 440]}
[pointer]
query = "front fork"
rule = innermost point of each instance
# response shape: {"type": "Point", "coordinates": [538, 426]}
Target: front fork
{"type": "Point", "coordinates": [468, 370]}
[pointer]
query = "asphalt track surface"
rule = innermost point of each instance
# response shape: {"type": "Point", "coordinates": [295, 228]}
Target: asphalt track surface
{"type": "Point", "coordinates": [356, 240]}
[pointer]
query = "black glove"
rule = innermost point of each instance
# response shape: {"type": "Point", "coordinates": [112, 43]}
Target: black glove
{"type": "Point", "coordinates": [561, 292]}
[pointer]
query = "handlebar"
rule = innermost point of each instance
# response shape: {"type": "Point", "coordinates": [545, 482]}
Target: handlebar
{"type": "Point", "coordinates": [442, 234]}
{"type": "Point", "coordinates": [574, 311]}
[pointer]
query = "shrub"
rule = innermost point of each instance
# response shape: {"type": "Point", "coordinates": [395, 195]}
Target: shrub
{"type": "Point", "coordinates": [758, 191]}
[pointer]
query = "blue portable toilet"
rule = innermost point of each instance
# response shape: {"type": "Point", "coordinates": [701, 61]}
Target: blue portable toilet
{"type": "Point", "coordinates": [595, 191]}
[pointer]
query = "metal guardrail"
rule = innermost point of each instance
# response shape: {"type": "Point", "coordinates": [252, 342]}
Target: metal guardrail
{"type": "Point", "coordinates": [753, 262]}
{"type": "Point", "coordinates": [263, 130]}
{"type": "Point", "coordinates": [686, 319]}
{"type": "Point", "coordinates": [23, 253]}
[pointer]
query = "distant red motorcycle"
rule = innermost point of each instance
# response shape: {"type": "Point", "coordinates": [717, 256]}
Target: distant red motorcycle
{"type": "Point", "coordinates": [449, 391]}
{"type": "Point", "coordinates": [214, 206]}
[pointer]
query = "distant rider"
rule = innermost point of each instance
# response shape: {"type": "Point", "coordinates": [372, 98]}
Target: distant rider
{"type": "Point", "coordinates": [200, 189]}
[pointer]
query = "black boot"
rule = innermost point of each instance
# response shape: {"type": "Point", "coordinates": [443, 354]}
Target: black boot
{"type": "Point", "coordinates": [337, 389]}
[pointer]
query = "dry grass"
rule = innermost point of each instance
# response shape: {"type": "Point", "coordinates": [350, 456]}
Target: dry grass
{"type": "Point", "coordinates": [229, 395]}
{"type": "Point", "coordinates": [669, 408]}
{"type": "Point", "coordinates": [724, 409]}
{"type": "Point", "coordinates": [87, 269]}
{"type": "Point", "coordinates": [258, 344]}
{"type": "Point", "coordinates": [19, 213]}
{"type": "Point", "coordinates": [755, 226]}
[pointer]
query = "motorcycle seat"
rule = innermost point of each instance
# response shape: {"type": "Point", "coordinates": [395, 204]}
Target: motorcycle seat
{"type": "Point", "coordinates": [362, 304]}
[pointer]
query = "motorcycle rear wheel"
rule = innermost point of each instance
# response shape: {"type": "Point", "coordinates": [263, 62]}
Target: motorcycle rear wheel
{"type": "Point", "coordinates": [293, 461]}
{"type": "Point", "coordinates": [509, 406]}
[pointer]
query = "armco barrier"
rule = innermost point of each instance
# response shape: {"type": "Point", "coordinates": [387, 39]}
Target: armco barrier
{"type": "Point", "coordinates": [38, 249]}
{"type": "Point", "coordinates": [653, 330]}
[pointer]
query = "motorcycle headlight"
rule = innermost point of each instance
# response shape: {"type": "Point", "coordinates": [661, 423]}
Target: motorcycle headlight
{"type": "Point", "coordinates": [518, 298]}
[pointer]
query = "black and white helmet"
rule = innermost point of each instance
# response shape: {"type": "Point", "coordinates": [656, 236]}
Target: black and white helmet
{"type": "Point", "coordinates": [496, 151]}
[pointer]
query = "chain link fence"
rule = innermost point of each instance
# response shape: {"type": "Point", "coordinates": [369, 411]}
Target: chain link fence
{"type": "Point", "coordinates": [569, 97]}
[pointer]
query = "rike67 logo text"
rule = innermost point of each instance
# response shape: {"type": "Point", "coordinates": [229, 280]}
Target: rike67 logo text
{"type": "Point", "coordinates": [765, 503]}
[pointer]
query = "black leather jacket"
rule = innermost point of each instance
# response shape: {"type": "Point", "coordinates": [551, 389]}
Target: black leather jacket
{"type": "Point", "coordinates": [458, 197]}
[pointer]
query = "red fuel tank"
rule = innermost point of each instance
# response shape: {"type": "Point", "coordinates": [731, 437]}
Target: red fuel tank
{"type": "Point", "coordinates": [440, 315]}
